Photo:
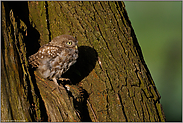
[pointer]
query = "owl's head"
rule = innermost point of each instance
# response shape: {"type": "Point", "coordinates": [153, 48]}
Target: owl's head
{"type": "Point", "coordinates": [66, 41]}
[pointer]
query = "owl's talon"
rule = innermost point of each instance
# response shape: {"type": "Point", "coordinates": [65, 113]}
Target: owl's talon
{"type": "Point", "coordinates": [57, 85]}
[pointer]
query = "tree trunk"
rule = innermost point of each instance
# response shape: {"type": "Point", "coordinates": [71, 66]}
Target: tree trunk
{"type": "Point", "coordinates": [117, 85]}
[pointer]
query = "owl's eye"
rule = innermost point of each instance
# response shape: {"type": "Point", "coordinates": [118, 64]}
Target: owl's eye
{"type": "Point", "coordinates": [69, 42]}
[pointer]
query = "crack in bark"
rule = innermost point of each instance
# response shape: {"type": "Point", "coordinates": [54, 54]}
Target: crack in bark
{"type": "Point", "coordinates": [107, 107]}
{"type": "Point", "coordinates": [47, 20]}
{"type": "Point", "coordinates": [135, 108]}
{"type": "Point", "coordinates": [122, 107]}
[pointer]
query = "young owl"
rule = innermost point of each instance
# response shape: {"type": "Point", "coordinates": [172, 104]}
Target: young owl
{"type": "Point", "coordinates": [56, 57]}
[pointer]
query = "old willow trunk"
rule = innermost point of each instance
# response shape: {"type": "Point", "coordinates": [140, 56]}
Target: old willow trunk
{"type": "Point", "coordinates": [116, 82]}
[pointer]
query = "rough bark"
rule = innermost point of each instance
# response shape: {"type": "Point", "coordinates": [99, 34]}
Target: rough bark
{"type": "Point", "coordinates": [116, 81]}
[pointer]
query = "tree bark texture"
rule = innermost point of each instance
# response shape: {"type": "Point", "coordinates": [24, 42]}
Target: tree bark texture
{"type": "Point", "coordinates": [116, 82]}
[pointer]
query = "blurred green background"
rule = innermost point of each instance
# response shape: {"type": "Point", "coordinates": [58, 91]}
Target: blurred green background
{"type": "Point", "coordinates": [158, 27]}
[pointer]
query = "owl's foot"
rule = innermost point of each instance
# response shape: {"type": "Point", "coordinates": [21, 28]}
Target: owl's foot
{"type": "Point", "coordinates": [57, 85]}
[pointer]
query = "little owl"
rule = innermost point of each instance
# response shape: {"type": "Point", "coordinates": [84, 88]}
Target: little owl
{"type": "Point", "coordinates": [56, 57]}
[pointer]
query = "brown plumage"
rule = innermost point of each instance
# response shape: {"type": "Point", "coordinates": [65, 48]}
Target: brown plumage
{"type": "Point", "coordinates": [56, 57]}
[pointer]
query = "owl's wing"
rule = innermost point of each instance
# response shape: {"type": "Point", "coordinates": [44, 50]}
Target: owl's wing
{"type": "Point", "coordinates": [44, 54]}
